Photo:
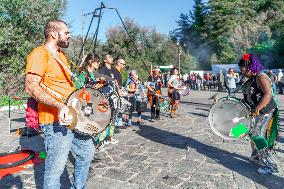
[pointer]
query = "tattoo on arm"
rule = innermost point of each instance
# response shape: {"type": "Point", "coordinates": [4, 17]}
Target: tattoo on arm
{"type": "Point", "coordinates": [33, 88]}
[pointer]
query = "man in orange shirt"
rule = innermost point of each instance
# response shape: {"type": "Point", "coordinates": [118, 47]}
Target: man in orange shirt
{"type": "Point", "coordinates": [50, 84]}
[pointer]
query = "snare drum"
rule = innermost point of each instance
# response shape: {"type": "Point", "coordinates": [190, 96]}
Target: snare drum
{"type": "Point", "coordinates": [223, 112]}
{"type": "Point", "coordinates": [185, 90]}
{"type": "Point", "coordinates": [90, 111]}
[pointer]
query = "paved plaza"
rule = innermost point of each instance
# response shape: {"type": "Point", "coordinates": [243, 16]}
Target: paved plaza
{"type": "Point", "coordinates": [172, 153]}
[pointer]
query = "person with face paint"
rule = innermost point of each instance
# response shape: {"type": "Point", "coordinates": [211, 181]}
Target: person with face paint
{"type": "Point", "coordinates": [48, 80]}
{"type": "Point", "coordinates": [258, 94]}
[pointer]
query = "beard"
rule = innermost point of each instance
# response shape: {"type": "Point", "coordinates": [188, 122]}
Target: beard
{"type": "Point", "coordinates": [62, 43]}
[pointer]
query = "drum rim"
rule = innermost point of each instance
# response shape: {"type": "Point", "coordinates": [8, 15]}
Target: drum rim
{"type": "Point", "coordinates": [88, 89]}
{"type": "Point", "coordinates": [210, 115]}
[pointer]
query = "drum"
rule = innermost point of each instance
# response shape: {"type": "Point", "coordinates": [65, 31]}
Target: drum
{"type": "Point", "coordinates": [227, 115]}
{"type": "Point", "coordinates": [90, 111]}
{"type": "Point", "coordinates": [111, 94]}
{"type": "Point", "coordinates": [185, 90]}
{"type": "Point", "coordinates": [128, 104]}
{"type": "Point", "coordinates": [164, 104]}
{"type": "Point", "coordinates": [141, 104]}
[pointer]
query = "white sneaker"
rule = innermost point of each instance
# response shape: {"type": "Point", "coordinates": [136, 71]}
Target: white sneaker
{"type": "Point", "coordinates": [102, 148]}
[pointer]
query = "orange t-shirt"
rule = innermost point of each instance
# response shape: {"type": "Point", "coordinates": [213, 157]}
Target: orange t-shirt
{"type": "Point", "coordinates": [54, 76]}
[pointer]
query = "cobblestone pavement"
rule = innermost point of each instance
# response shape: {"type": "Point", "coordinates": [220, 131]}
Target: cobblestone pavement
{"type": "Point", "coordinates": [179, 153]}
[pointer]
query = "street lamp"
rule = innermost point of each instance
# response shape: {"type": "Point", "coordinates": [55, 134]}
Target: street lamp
{"type": "Point", "coordinates": [179, 53]}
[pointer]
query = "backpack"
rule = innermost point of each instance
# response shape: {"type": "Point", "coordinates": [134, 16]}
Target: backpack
{"type": "Point", "coordinates": [32, 118]}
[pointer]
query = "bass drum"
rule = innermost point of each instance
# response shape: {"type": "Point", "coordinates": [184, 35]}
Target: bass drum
{"type": "Point", "coordinates": [90, 111]}
{"type": "Point", "coordinates": [223, 112]}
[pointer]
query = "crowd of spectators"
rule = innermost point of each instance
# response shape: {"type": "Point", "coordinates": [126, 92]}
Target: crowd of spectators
{"type": "Point", "coordinates": [228, 81]}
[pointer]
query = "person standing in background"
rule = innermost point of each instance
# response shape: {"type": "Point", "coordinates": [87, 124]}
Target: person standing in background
{"type": "Point", "coordinates": [280, 81]}
{"type": "Point", "coordinates": [272, 76]}
{"type": "Point", "coordinates": [220, 80]}
{"type": "Point", "coordinates": [231, 82]}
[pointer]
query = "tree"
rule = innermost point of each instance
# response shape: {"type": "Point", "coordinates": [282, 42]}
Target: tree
{"type": "Point", "coordinates": [21, 29]}
{"type": "Point", "coordinates": [153, 47]}
{"type": "Point", "coordinates": [192, 33]}
{"type": "Point", "coordinates": [225, 29]}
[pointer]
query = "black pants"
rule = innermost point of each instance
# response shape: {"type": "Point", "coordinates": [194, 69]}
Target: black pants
{"type": "Point", "coordinates": [133, 107]}
{"type": "Point", "coordinates": [155, 111]}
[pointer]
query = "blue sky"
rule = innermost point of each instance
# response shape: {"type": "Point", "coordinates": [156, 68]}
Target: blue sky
{"type": "Point", "coordinates": [161, 14]}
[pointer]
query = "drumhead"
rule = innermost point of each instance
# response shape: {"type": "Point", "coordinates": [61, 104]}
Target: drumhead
{"type": "Point", "coordinates": [222, 113]}
{"type": "Point", "coordinates": [185, 91]}
{"type": "Point", "coordinates": [92, 111]}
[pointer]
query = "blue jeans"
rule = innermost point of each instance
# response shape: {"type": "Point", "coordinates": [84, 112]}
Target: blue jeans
{"type": "Point", "coordinates": [231, 92]}
{"type": "Point", "coordinates": [58, 142]}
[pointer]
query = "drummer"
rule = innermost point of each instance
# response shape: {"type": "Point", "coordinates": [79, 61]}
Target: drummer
{"type": "Point", "coordinates": [120, 64]}
{"type": "Point", "coordinates": [108, 70]}
{"type": "Point", "coordinates": [132, 87]}
{"type": "Point", "coordinates": [87, 77]}
{"type": "Point", "coordinates": [173, 91]}
{"type": "Point", "coordinates": [45, 77]}
{"type": "Point", "coordinates": [154, 86]}
{"type": "Point", "coordinates": [259, 96]}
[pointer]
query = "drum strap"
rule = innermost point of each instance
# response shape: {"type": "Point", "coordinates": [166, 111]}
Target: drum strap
{"type": "Point", "coordinates": [53, 93]}
{"type": "Point", "coordinates": [61, 63]}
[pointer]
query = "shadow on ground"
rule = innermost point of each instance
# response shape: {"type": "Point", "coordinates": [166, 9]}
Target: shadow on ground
{"type": "Point", "coordinates": [232, 161]}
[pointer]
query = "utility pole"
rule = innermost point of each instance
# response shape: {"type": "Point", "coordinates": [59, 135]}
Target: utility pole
{"type": "Point", "coordinates": [83, 29]}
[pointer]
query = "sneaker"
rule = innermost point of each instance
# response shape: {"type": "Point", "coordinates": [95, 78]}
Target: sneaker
{"type": "Point", "coordinates": [102, 148]}
{"type": "Point", "coordinates": [116, 130]}
{"type": "Point", "coordinates": [96, 159]}
{"type": "Point", "coordinates": [139, 122]}
{"type": "Point", "coordinates": [254, 159]}
{"type": "Point", "coordinates": [152, 119]}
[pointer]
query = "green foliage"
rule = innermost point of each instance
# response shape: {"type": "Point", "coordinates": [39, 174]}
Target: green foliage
{"type": "Point", "coordinates": [21, 29]}
{"type": "Point", "coordinates": [225, 29]}
{"type": "Point", "coordinates": [153, 48]}
{"type": "Point", "coordinates": [215, 31]}
{"type": "Point", "coordinates": [4, 101]}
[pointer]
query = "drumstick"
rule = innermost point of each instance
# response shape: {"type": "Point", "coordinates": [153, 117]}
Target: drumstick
{"type": "Point", "coordinates": [238, 119]}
